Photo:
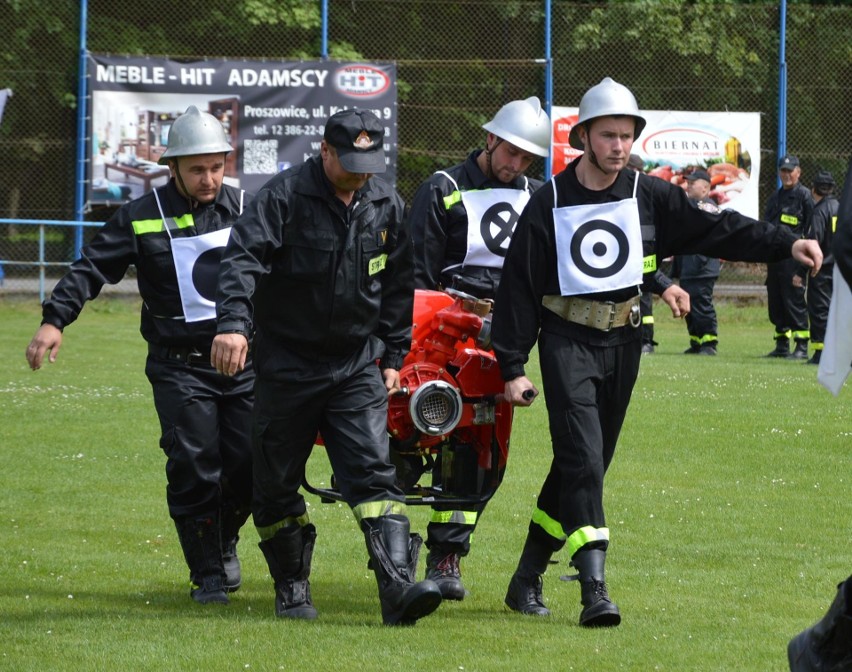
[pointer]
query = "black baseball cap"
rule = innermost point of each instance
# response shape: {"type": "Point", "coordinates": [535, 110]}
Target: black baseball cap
{"type": "Point", "coordinates": [698, 175]}
{"type": "Point", "coordinates": [788, 162]}
{"type": "Point", "coordinates": [824, 177]}
{"type": "Point", "coordinates": [357, 135]}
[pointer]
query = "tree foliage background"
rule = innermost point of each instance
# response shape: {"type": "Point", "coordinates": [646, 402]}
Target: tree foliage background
{"type": "Point", "coordinates": [458, 61]}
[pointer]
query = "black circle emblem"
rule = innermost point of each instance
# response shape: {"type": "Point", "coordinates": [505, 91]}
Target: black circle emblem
{"type": "Point", "coordinates": [205, 272]}
{"type": "Point", "coordinates": [606, 244]}
{"type": "Point", "coordinates": [496, 227]}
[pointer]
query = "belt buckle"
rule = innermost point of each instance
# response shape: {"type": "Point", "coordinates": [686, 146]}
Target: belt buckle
{"type": "Point", "coordinates": [611, 305]}
{"type": "Point", "coordinates": [194, 356]}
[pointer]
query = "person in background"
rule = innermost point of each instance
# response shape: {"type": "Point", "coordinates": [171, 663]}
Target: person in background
{"type": "Point", "coordinates": [462, 220]}
{"type": "Point", "coordinates": [698, 274]}
{"type": "Point", "coordinates": [584, 247]}
{"type": "Point", "coordinates": [789, 206]}
{"type": "Point", "coordinates": [646, 302]}
{"type": "Point", "coordinates": [174, 236]}
{"type": "Point", "coordinates": [821, 228]}
{"type": "Point", "coordinates": [321, 266]}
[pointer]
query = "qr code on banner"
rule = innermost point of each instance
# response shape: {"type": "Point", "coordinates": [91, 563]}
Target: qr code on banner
{"type": "Point", "coordinates": [260, 157]}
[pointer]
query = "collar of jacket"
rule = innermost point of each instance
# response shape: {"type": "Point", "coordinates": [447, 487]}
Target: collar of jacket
{"type": "Point", "coordinates": [621, 189]}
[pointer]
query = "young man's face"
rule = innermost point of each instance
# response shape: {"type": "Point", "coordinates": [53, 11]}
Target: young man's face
{"type": "Point", "coordinates": [201, 176]}
{"type": "Point", "coordinates": [507, 160]}
{"type": "Point", "coordinates": [610, 139]}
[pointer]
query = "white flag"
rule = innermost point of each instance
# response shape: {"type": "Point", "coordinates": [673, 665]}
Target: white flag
{"type": "Point", "coordinates": [836, 360]}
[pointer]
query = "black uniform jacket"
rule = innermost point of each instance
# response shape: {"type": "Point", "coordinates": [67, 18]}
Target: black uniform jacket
{"type": "Point", "coordinates": [440, 233]}
{"type": "Point", "coordinates": [670, 225]}
{"type": "Point", "coordinates": [791, 207]}
{"type": "Point", "coordinates": [842, 244]}
{"type": "Point", "coordinates": [322, 278]}
{"type": "Point", "coordinates": [135, 236]}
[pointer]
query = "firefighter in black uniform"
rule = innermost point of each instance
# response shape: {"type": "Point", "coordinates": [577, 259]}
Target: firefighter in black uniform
{"type": "Point", "coordinates": [321, 266]}
{"type": "Point", "coordinates": [461, 220]}
{"type": "Point", "coordinates": [791, 206]}
{"type": "Point", "coordinates": [173, 236]}
{"type": "Point", "coordinates": [698, 274]}
{"type": "Point", "coordinates": [571, 280]}
{"type": "Point", "coordinates": [821, 228]}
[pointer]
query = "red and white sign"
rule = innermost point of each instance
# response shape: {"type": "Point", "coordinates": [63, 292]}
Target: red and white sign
{"type": "Point", "coordinates": [673, 144]}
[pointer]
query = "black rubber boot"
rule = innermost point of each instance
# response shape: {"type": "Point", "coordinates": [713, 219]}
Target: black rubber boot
{"type": "Point", "coordinates": [815, 357]}
{"type": "Point", "coordinates": [393, 557]}
{"type": "Point", "coordinates": [782, 348]}
{"type": "Point", "coordinates": [598, 609]}
{"type": "Point", "coordinates": [200, 540]}
{"type": "Point", "coordinates": [826, 646]}
{"type": "Point", "coordinates": [800, 351]}
{"type": "Point", "coordinates": [233, 518]}
{"type": "Point", "coordinates": [288, 555]}
{"type": "Point", "coordinates": [525, 588]}
{"type": "Point", "coordinates": [442, 567]}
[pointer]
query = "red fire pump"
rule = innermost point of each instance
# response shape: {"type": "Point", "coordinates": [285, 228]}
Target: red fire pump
{"type": "Point", "coordinates": [449, 423]}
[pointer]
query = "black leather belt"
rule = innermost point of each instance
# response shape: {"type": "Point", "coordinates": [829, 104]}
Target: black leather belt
{"type": "Point", "coordinates": [188, 355]}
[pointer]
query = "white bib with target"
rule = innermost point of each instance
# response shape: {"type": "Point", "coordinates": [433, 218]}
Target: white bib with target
{"type": "Point", "coordinates": [492, 215]}
{"type": "Point", "coordinates": [598, 246]}
{"type": "Point", "coordinates": [197, 266]}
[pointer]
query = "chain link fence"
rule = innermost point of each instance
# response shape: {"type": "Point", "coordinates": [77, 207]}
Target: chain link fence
{"type": "Point", "coordinates": [457, 60]}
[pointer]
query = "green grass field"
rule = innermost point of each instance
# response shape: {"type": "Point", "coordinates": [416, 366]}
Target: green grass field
{"type": "Point", "coordinates": [728, 502]}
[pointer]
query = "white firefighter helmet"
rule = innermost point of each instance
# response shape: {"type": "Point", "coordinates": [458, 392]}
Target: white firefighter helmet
{"type": "Point", "coordinates": [523, 123]}
{"type": "Point", "coordinates": [607, 99]}
{"type": "Point", "coordinates": [195, 132]}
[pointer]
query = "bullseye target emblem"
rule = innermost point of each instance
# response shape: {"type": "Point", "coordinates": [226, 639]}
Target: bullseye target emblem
{"type": "Point", "coordinates": [599, 249]}
{"type": "Point", "coordinates": [205, 270]}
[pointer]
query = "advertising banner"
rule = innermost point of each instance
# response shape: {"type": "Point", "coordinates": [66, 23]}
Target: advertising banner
{"type": "Point", "coordinates": [273, 114]}
{"type": "Point", "coordinates": [673, 144]}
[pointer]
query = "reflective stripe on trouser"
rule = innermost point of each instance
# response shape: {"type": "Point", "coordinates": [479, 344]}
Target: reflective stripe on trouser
{"type": "Point", "coordinates": [587, 389]}
{"type": "Point", "coordinates": [788, 310]}
{"type": "Point", "coordinates": [701, 322]}
{"type": "Point", "coordinates": [451, 531]}
{"type": "Point", "coordinates": [344, 401]}
{"type": "Point", "coordinates": [820, 288]}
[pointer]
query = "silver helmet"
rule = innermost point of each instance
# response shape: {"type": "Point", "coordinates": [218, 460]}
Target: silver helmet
{"type": "Point", "coordinates": [607, 99]}
{"type": "Point", "coordinates": [523, 123]}
{"type": "Point", "coordinates": [195, 132]}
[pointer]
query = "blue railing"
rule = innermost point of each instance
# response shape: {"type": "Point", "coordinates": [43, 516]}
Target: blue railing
{"type": "Point", "coordinates": [41, 262]}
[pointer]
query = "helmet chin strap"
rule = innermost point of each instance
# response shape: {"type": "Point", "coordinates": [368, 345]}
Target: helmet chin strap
{"type": "Point", "coordinates": [490, 171]}
{"type": "Point", "coordinates": [192, 202]}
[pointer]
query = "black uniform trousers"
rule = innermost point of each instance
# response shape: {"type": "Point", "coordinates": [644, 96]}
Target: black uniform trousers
{"type": "Point", "coordinates": [820, 288]}
{"type": "Point", "coordinates": [205, 419]}
{"type": "Point", "coordinates": [701, 320]}
{"type": "Point", "coordinates": [588, 390]}
{"type": "Point", "coordinates": [788, 310]}
{"type": "Point", "coordinates": [346, 402]}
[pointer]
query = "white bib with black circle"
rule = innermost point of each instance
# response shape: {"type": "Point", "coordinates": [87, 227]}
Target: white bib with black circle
{"type": "Point", "coordinates": [492, 215]}
{"type": "Point", "coordinates": [598, 246]}
{"type": "Point", "coordinates": [197, 261]}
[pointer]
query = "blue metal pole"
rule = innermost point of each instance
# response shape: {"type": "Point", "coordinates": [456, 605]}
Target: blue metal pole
{"type": "Point", "coordinates": [548, 82]}
{"type": "Point", "coordinates": [782, 87]}
{"type": "Point", "coordinates": [324, 39]}
{"type": "Point", "coordinates": [82, 113]}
